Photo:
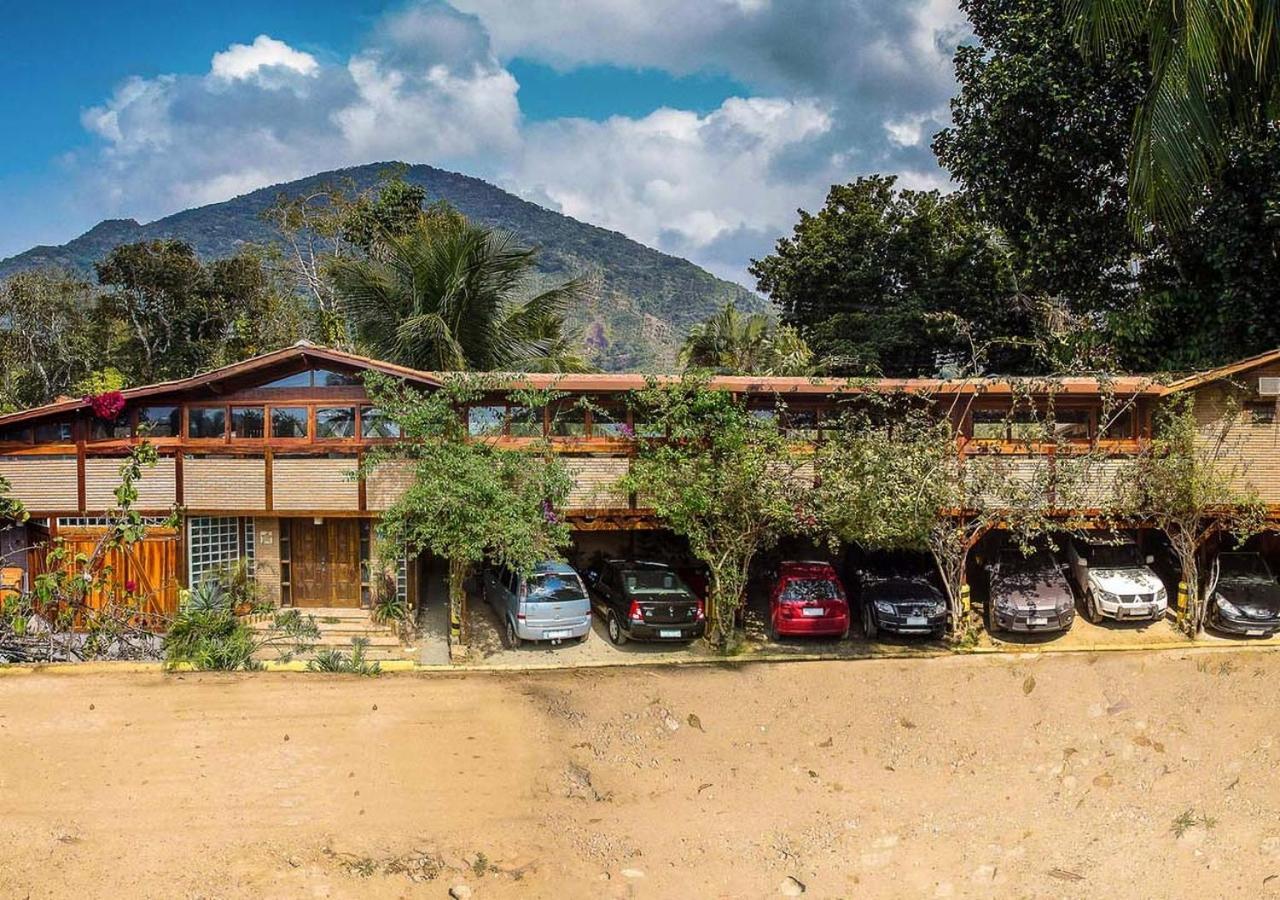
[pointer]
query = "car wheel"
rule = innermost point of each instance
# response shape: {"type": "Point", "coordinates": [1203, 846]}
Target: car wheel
{"type": "Point", "coordinates": [1091, 609]}
{"type": "Point", "coordinates": [869, 626]}
{"type": "Point", "coordinates": [513, 639]}
{"type": "Point", "coordinates": [617, 636]}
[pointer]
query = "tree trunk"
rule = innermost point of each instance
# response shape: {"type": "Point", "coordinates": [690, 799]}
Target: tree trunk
{"type": "Point", "coordinates": [458, 570]}
{"type": "Point", "coordinates": [728, 582]}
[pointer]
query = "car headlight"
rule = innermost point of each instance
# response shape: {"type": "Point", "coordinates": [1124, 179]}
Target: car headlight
{"type": "Point", "coordinates": [1063, 605]}
{"type": "Point", "coordinates": [1108, 597]}
{"type": "Point", "coordinates": [1004, 604]}
{"type": "Point", "coordinates": [1162, 596]}
{"type": "Point", "coordinates": [885, 607]}
{"type": "Point", "coordinates": [1225, 605]}
{"type": "Point", "coordinates": [938, 608]}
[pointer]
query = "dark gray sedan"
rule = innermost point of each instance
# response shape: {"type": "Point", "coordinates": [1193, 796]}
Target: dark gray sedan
{"type": "Point", "coordinates": [1246, 599]}
{"type": "Point", "coordinates": [1029, 593]}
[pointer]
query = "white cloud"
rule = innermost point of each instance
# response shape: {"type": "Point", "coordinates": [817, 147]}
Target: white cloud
{"type": "Point", "coordinates": [241, 61]}
{"type": "Point", "coordinates": [836, 88]}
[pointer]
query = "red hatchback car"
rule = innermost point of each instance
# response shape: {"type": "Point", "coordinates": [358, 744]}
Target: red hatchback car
{"type": "Point", "coordinates": [808, 601]}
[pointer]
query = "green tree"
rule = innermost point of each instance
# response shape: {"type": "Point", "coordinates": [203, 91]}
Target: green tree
{"type": "Point", "coordinates": [734, 343]}
{"type": "Point", "coordinates": [170, 315]}
{"type": "Point", "coordinates": [49, 340]}
{"type": "Point", "coordinates": [1215, 69]}
{"type": "Point", "coordinates": [1191, 482]}
{"type": "Point", "coordinates": [1039, 143]}
{"type": "Point", "coordinates": [898, 283]}
{"type": "Point", "coordinates": [726, 479]}
{"type": "Point", "coordinates": [453, 295]}
{"type": "Point", "coordinates": [470, 499]}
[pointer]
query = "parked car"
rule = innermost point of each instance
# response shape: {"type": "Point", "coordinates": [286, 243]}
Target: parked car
{"type": "Point", "coordinates": [645, 601]}
{"type": "Point", "coordinates": [901, 595]}
{"type": "Point", "coordinates": [548, 604]}
{"type": "Point", "coordinates": [1029, 593]}
{"type": "Point", "coordinates": [808, 600]}
{"type": "Point", "coordinates": [1115, 578]}
{"type": "Point", "coordinates": [1246, 599]}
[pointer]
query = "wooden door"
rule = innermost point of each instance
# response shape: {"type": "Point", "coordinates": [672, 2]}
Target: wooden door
{"type": "Point", "coordinates": [144, 573]}
{"type": "Point", "coordinates": [325, 562]}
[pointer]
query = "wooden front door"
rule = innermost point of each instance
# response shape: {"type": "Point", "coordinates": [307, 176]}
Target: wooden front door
{"type": "Point", "coordinates": [325, 562]}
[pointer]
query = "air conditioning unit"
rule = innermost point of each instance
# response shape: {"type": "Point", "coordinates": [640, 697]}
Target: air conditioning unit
{"type": "Point", "coordinates": [1268, 387]}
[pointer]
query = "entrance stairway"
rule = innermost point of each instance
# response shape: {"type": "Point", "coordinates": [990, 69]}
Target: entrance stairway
{"type": "Point", "coordinates": [337, 628]}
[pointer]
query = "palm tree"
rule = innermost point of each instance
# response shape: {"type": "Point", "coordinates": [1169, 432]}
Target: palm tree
{"type": "Point", "coordinates": [451, 295]}
{"type": "Point", "coordinates": [733, 343]}
{"type": "Point", "coordinates": [1215, 68]}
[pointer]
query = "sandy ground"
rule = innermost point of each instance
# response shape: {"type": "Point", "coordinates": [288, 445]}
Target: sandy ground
{"type": "Point", "coordinates": [1075, 775]}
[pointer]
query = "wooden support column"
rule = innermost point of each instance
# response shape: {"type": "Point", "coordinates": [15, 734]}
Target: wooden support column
{"type": "Point", "coordinates": [268, 501]}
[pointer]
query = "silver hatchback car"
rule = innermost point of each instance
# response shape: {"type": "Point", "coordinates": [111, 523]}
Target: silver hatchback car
{"type": "Point", "coordinates": [549, 604]}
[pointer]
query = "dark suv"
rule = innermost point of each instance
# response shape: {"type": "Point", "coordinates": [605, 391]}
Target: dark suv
{"type": "Point", "coordinates": [645, 601]}
{"type": "Point", "coordinates": [899, 593]}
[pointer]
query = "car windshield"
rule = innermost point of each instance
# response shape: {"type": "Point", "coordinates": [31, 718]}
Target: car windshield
{"type": "Point", "coordinates": [805, 590]}
{"type": "Point", "coordinates": [1244, 565]}
{"type": "Point", "coordinates": [1014, 563]}
{"type": "Point", "coordinates": [555, 587]}
{"type": "Point", "coordinates": [1114, 556]}
{"type": "Point", "coordinates": [905, 588]}
{"type": "Point", "coordinates": [651, 581]}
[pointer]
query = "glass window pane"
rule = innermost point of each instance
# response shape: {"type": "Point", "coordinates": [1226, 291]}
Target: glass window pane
{"type": "Point", "coordinates": [206, 422]}
{"type": "Point", "coordinates": [485, 421]}
{"type": "Point", "coordinates": [336, 422]}
{"type": "Point", "coordinates": [116, 429]}
{"type": "Point", "coordinates": [1116, 425]}
{"type": "Point", "coordinates": [609, 421]}
{"type": "Point", "coordinates": [525, 422]}
{"type": "Point", "coordinates": [247, 422]}
{"type": "Point", "coordinates": [159, 421]}
{"type": "Point", "coordinates": [53, 433]}
{"type": "Point", "coordinates": [374, 425]}
{"type": "Point", "coordinates": [989, 425]}
{"type": "Point", "coordinates": [569, 420]}
{"type": "Point", "coordinates": [296, 380]}
{"type": "Point", "coordinates": [15, 434]}
{"type": "Point", "coordinates": [1071, 424]}
{"type": "Point", "coordinates": [802, 424]}
{"type": "Point", "coordinates": [330, 378]}
{"type": "Point", "coordinates": [289, 421]}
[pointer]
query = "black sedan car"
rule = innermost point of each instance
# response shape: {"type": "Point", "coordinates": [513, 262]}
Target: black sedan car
{"type": "Point", "coordinates": [1247, 597]}
{"type": "Point", "coordinates": [645, 601]}
{"type": "Point", "coordinates": [902, 598]}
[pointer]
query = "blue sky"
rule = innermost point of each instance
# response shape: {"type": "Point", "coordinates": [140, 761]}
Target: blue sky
{"type": "Point", "coordinates": [697, 128]}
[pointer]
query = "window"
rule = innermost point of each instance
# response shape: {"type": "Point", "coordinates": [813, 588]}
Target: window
{"type": "Point", "coordinates": [569, 421]}
{"type": "Point", "coordinates": [988, 425]}
{"type": "Point", "coordinates": [159, 421]}
{"type": "Point", "coordinates": [206, 422]}
{"type": "Point", "coordinates": [609, 422]}
{"type": "Point", "coordinates": [1116, 425]}
{"type": "Point", "coordinates": [335, 422]}
{"type": "Point", "coordinates": [524, 422]}
{"type": "Point", "coordinates": [1005, 425]}
{"type": "Point", "coordinates": [486, 421]}
{"type": "Point", "coordinates": [1262, 413]}
{"type": "Point", "coordinates": [215, 544]}
{"type": "Point", "coordinates": [801, 424]}
{"type": "Point", "coordinates": [296, 380]}
{"type": "Point", "coordinates": [16, 434]}
{"type": "Point", "coordinates": [116, 429]}
{"type": "Point", "coordinates": [1071, 424]}
{"type": "Point", "coordinates": [763, 414]}
{"type": "Point", "coordinates": [54, 433]}
{"type": "Point", "coordinates": [286, 563]}
{"type": "Point", "coordinates": [247, 422]}
{"type": "Point", "coordinates": [374, 425]}
{"type": "Point", "coordinates": [314, 378]}
{"type": "Point", "coordinates": [289, 422]}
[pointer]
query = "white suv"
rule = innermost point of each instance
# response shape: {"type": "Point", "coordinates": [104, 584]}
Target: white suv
{"type": "Point", "coordinates": [1115, 579]}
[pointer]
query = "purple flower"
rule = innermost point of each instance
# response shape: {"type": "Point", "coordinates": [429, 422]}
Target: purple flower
{"type": "Point", "coordinates": [549, 513]}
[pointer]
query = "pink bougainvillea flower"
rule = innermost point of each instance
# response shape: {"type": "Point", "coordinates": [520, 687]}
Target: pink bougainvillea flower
{"type": "Point", "coordinates": [107, 406]}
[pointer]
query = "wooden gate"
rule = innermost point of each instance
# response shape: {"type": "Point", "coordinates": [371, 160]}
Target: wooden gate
{"type": "Point", "coordinates": [147, 569]}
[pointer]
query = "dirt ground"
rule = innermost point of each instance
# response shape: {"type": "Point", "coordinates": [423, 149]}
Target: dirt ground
{"type": "Point", "coordinates": [1073, 775]}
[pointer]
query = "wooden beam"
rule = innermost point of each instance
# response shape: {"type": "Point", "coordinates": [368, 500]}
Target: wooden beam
{"type": "Point", "coordinates": [267, 458]}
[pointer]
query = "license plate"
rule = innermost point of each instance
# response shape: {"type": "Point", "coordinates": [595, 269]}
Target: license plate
{"type": "Point", "coordinates": [556, 635]}
{"type": "Point", "coordinates": [670, 632]}
{"type": "Point", "coordinates": [811, 611]}
{"type": "Point", "coordinates": [1037, 620]}
{"type": "Point", "coordinates": [1255, 632]}
{"type": "Point", "coordinates": [917, 620]}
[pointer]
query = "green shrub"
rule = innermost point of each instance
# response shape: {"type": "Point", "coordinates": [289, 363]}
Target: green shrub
{"type": "Point", "coordinates": [333, 660]}
{"type": "Point", "coordinates": [207, 634]}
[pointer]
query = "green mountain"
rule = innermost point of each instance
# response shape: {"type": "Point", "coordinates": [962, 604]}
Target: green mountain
{"type": "Point", "coordinates": [646, 302]}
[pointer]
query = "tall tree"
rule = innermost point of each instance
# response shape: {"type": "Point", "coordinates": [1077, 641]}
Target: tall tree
{"type": "Point", "coordinates": [1039, 143]}
{"type": "Point", "coordinates": [49, 341]}
{"type": "Point", "coordinates": [1215, 69]}
{"type": "Point", "coordinates": [899, 283]}
{"type": "Point", "coordinates": [734, 343]}
{"type": "Point", "coordinates": [453, 295]}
